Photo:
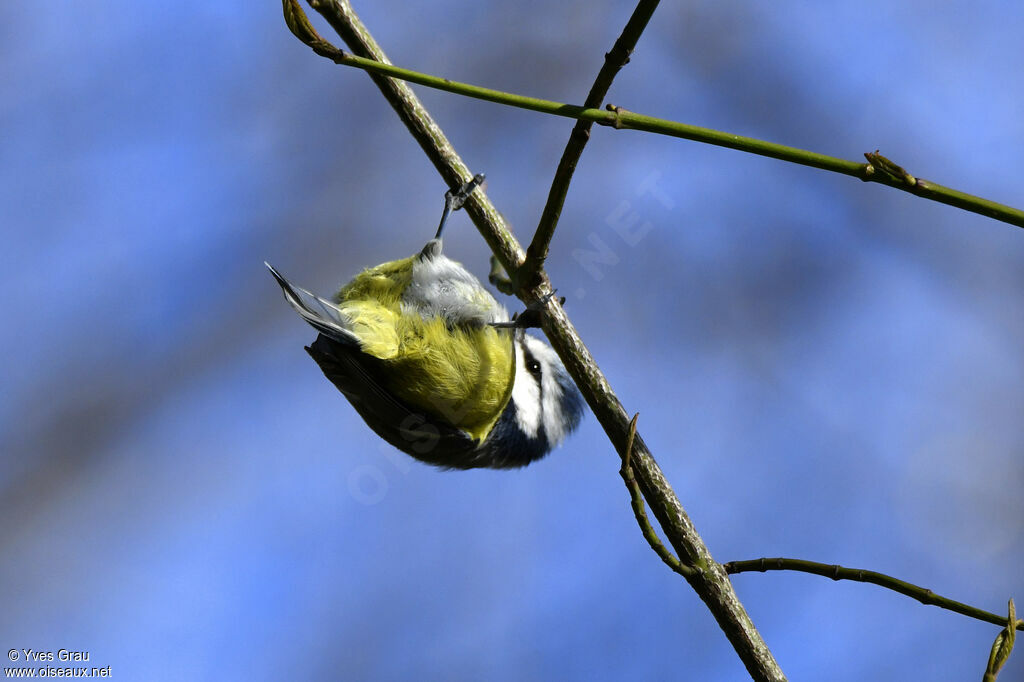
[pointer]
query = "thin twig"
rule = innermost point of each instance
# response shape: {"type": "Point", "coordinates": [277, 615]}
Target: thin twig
{"type": "Point", "coordinates": [709, 581]}
{"type": "Point", "coordinates": [620, 118]}
{"type": "Point", "coordinates": [614, 60]}
{"type": "Point", "coordinates": [637, 502]}
{"type": "Point", "coordinates": [921, 594]}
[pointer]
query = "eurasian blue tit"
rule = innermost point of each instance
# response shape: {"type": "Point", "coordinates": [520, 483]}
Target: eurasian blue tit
{"type": "Point", "coordinates": [434, 365]}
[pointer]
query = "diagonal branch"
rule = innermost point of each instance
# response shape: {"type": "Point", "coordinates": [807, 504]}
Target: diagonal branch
{"type": "Point", "coordinates": [619, 118]}
{"type": "Point", "coordinates": [708, 579]}
{"type": "Point", "coordinates": [614, 60]}
{"type": "Point", "coordinates": [410, 111]}
{"type": "Point", "coordinates": [921, 594]}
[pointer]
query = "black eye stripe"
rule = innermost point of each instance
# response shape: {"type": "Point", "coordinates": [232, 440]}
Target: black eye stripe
{"type": "Point", "coordinates": [532, 365]}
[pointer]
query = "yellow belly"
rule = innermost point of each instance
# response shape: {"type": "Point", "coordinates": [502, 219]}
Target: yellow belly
{"type": "Point", "coordinates": [461, 374]}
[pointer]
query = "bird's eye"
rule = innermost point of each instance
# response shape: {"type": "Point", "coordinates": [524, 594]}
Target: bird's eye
{"type": "Point", "coordinates": [534, 367]}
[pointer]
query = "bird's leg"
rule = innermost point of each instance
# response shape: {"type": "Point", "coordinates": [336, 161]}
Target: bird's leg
{"type": "Point", "coordinates": [454, 199]}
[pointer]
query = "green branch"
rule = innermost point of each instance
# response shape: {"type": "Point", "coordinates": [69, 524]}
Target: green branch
{"type": "Point", "coordinates": [614, 60]}
{"type": "Point", "coordinates": [921, 594]}
{"type": "Point", "coordinates": [619, 118]}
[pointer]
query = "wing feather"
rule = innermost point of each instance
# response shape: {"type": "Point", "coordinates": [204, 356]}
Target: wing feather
{"type": "Point", "coordinates": [323, 315]}
{"type": "Point", "coordinates": [421, 435]}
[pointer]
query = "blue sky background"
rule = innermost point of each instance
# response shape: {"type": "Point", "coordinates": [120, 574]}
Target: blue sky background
{"type": "Point", "coordinates": [825, 369]}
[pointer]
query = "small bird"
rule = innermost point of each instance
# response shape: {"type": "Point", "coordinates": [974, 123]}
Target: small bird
{"type": "Point", "coordinates": [435, 366]}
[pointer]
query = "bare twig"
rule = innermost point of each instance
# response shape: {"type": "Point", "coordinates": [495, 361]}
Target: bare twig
{"type": "Point", "coordinates": [619, 118]}
{"type": "Point", "coordinates": [921, 594]}
{"type": "Point", "coordinates": [709, 581]}
{"type": "Point", "coordinates": [637, 502]}
{"type": "Point", "coordinates": [613, 62]}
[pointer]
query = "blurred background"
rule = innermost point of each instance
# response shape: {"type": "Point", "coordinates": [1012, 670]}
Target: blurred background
{"type": "Point", "coordinates": [825, 369]}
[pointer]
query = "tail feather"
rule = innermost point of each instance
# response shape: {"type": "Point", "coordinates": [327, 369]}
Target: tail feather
{"type": "Point", "coordinates": [321, 314]}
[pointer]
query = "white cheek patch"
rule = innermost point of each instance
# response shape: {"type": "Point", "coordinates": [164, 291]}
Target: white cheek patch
{"type": "Point", "coordinates": [554, 424]}
{"type": "Point", "coordinates": [551, 392]}
{"type": "Point", "coordinates": [526, 395]}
